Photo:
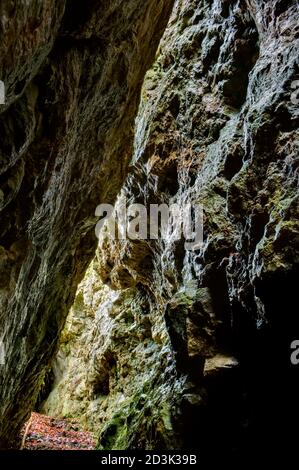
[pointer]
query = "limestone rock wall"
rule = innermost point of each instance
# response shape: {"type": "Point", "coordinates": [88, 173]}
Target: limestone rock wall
{"type": "Point", "coordinates": [72, 73]}
{"type": "Point", "coordinates": [190, 349]}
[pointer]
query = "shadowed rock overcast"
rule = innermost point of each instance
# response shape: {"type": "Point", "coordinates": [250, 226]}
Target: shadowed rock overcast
{"type": "Point", "coordinates": [163, 348]}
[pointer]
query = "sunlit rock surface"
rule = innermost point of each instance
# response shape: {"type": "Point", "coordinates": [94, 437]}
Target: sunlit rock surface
{"type": "Point", "coordinates": [184, 349]}
{"type": "Point", "coordinates": [72, 73]}
{"type": "Point", "coordinates": [164, 348]}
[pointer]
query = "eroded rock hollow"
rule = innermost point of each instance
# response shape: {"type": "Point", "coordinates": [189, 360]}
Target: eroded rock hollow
{"type": "Point", "coordinates": [164, 347]}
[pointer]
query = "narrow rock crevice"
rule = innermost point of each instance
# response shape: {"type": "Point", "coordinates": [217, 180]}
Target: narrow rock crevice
{"type": "Point", "coordinates": [68, 117]}
{"type": "Point", "coordinates": [146, 343]}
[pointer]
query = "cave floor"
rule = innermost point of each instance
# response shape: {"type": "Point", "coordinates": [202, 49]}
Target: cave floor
{"type": "Point", "coordinates": [46, 433]}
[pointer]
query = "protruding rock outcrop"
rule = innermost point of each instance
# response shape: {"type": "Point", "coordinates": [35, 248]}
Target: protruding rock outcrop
{"type": "Point", "coordinates": [164, 347]}
{"type": "Point", "coordinates": [191, 349]}
{"type": "Point", "coordinates": [72, 73]}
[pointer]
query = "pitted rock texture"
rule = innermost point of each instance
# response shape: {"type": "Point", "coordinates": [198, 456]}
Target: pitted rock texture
{"type": "Point", "coordinates": [217, 125]}
{"type": "Point", "coordinates": [72, 73]}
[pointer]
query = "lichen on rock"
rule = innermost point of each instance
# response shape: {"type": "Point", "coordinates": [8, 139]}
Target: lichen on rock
{"type": "Point", "coordinates": [72, 73]}
{"type": "Point", "coordinates": [165, 347]}
{"type": "Point", "coordinates": [215, 125]}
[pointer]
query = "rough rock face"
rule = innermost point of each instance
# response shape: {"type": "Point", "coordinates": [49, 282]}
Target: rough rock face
{"type": "Point", "coordinates": [191, 348]}
{"type": "Point", "coordinates": [72, 73]}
